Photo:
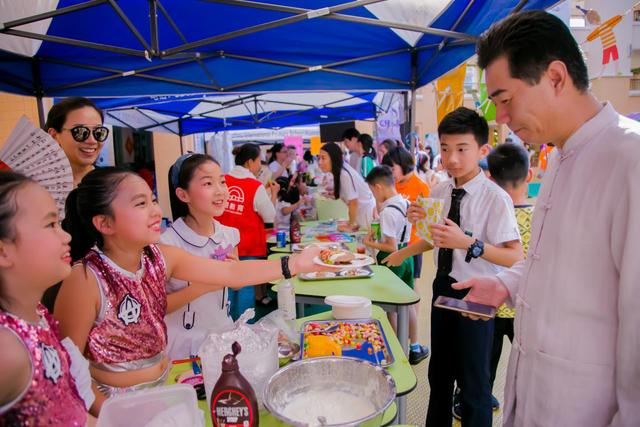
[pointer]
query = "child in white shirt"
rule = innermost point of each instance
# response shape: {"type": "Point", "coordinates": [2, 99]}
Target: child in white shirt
{"type": "Point", "coordinates": [198, 194]}
{"type": "Point", "coordinates": [395, 233]}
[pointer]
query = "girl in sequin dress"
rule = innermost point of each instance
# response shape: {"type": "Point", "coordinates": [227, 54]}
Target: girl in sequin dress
{"type": "Point", "coordinates": [114, 302]}
{"type": "Point", "coordinates": [37, 370]}
{"type": "Point", "coordinates": [198, 193]}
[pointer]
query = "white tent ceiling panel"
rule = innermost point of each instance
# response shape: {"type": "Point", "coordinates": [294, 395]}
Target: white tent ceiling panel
{"type": "Point", "coordinates": [16, 9]}
{"type": "Point", "coordinates": [414, 12]}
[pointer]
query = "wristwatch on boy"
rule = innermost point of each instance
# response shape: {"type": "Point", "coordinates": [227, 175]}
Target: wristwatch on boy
{"type": "Point", "coordinates": [475, 250]}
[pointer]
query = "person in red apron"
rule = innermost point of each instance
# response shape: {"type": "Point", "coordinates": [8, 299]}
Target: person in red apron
{"type": "Point", "coordinates": [249, 207]}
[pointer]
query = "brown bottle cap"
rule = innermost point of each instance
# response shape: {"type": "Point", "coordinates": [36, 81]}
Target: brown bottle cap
{"type": "Point", "coordinates": [230, 363]}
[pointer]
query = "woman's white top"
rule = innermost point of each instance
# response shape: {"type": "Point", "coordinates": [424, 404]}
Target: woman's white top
{"type": "Point", "coordinates": [354, 187]}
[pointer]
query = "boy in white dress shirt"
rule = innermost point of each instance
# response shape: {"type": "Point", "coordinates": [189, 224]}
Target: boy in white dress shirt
{"type": "Point", "coordinates": [395, 233]}
{"type": "Point", "coordinates": [479, 235]}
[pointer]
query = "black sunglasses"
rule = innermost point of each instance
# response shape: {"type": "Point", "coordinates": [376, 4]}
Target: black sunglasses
{"type": "Point", "coordinates": [81, 133]}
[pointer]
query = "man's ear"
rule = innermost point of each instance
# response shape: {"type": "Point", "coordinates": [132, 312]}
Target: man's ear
{"type": "Point", "coordinates": [484, 150]}
{"type": "Point", "coordinates": [182, 195]}
{"type": "Point", "coordinates": [558, 75]}
{"type": "Point", "coordinates": [6, 260]}
{"type": "Point", "coordinates": [104, 224]}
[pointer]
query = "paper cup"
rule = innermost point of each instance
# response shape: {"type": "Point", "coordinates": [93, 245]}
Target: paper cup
{"type": "Point", "coordinates": [434, 208]}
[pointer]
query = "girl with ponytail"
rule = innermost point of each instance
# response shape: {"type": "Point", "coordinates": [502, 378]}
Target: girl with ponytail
{"type": "Point", "coordinates": [367, 153]}
{"type": "Point", "coordinates": [114, 302]}
{"type": "Point", "coordinates": [349, 186]}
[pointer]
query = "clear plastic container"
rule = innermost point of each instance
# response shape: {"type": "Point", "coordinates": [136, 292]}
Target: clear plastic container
{"type": "Point", "coordinates": [174, 405]}
{"type": "Point", "coordinates": [287, 300]}
{"type": "Point", "coordinates": [346, 307]}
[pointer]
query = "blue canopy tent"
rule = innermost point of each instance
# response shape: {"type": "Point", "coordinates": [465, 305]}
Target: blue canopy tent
{"type": "Point", "coordinates": [141, 48]}
{"type": "Point", "coordinates": [107, 48]}
{"type": "Point", "coordinates": [187, 114]}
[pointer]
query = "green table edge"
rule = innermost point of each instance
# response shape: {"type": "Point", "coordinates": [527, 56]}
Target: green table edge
{"type": "Point", "coordinates": [401, 372]}
{"type": "Point", "coordinates": [411, 297]}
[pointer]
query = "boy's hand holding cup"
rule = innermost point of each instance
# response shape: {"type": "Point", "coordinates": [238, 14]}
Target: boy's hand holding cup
{"type": "Point", "coordinates": [416, 212]}
{"type": "Point", "coordinates": [369, 238]}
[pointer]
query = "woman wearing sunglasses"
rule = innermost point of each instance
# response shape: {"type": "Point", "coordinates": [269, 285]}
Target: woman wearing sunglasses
{"type": "Point", "coordinates": [76, 123]}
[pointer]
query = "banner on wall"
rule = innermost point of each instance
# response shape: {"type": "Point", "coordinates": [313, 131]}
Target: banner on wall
{"type": "Point", "coordinates": [390, 118]}
{"type": "Point", "coordinates": [107, 155]}
{"type": "Point", "coordinates": [295, 141]}
{"type": "Point", "coordinates": [220, 146]}
{"type": "Point", "coordinates": [450, 91]}
{"type": "Point", "coordinates": [485, 105]}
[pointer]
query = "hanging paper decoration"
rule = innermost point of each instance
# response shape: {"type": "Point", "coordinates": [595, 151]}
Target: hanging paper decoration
{"type": "Point", "coordinates": [608, 39]}
{"type": "Point", "coordinates": [605, 32]}
{"type": "Point", "coordinates": [314, 145]}
{"type": "Point", "coordinates": [591, 15]}
{"type": "Point", "coordinates": [450, 91]}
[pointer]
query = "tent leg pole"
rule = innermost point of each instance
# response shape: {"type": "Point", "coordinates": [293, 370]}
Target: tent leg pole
{"type": "Point", "coordinates": [412, 122]}
{"type": "Point", "coordinates": [407, 118]}
{"type": "Point", "coordinates": [180, 135]}
{"type": "Point", "coordinates": [37, 80]}
{"type": "Point", "coordinates": [41, 118]}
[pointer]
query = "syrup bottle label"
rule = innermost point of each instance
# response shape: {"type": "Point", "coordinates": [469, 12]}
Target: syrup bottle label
{"type": "Point", "coordinates": [230, 408]}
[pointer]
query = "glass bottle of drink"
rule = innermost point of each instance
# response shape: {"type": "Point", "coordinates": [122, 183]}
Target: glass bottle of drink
{"type": "Point", "coordinates": [294, 228]}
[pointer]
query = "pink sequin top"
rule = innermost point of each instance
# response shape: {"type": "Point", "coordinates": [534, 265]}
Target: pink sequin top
{"type": "Point", "coordinates": [130, 328]}
{"type": "Point", "coordinates": [51, 380]}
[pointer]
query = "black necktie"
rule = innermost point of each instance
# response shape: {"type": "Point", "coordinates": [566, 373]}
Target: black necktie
{"type": "Point", "coordinates": [445, 256]}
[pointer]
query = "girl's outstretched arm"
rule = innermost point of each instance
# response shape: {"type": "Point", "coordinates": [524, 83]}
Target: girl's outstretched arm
{"type": "Point", "coordinates": [234, 274]}
{"type": "Point", "coordinates": [179, 299]}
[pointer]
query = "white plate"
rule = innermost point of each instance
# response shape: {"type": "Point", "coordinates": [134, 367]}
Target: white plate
{"type": "Point", "coordinates": [319, 275]}
{"type": "Point", "coordinates": [360, 261]}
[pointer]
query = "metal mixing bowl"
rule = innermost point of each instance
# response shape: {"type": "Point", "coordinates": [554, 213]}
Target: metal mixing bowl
{"type": "Point", "coordinates": [327, 374]}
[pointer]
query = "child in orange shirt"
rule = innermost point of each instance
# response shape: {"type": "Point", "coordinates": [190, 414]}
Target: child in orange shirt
{"type": "Point", "coordinates": [409, 186]}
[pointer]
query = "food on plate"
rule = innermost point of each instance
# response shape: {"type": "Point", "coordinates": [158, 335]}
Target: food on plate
{"type": "Point", "coordinates": [323, 274]}
{"type": "Point", "coordinates": [352, 272]}
{"type": "Point", "coordinates": [336, 257]}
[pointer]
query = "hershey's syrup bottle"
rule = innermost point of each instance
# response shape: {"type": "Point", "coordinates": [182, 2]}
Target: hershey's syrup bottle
{"type": "Point", "coordinates": [233, 401]}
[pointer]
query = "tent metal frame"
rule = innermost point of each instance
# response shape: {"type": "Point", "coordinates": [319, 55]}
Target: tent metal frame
{"type": "Point", "coordinates": [221, 105]}
{"type": "Point", "coordinates": [183, 53]}
{"type": "Point", "coordinates": [151, 49]}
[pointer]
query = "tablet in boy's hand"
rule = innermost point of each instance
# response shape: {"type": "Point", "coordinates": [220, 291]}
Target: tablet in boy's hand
{"type": "Point", "coordinates": [483, 311]}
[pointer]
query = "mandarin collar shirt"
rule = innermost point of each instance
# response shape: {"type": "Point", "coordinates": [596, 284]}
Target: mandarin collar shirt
{"type": "Point", "coordinates": [575, 360]}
